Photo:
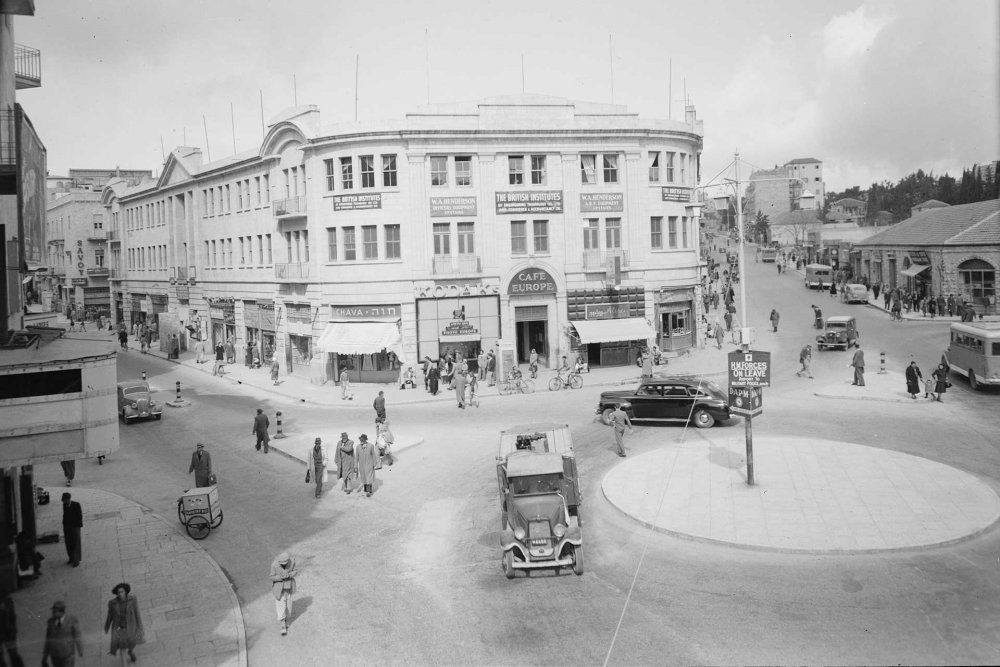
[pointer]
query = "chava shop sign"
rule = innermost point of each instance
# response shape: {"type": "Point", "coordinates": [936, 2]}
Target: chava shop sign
{"type": "Point", "coordinates": [531, 281]}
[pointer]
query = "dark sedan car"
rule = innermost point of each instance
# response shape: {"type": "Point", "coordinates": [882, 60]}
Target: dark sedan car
{"type": "Point", "coordinates": [678, 399]}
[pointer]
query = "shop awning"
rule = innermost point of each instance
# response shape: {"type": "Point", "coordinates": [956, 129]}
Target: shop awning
{"type": "Point", "coordinates": [607, 331]}
{"type": "Point", "coordinates": [27, 280]}
{"type": "Point", "coordinates": [361, 338]}
{"type": "Point", "coordinates": [915, 269]}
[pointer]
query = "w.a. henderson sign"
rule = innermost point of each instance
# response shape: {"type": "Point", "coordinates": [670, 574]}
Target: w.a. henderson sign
{"type": "Point", "coordinates": [750, 369]}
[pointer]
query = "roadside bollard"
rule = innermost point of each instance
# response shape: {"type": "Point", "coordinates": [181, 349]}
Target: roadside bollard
{"type": "Point", "coordinates": [881, 370]}
{"type": "Point", "coordinates": [178, 391]}
{"type": "Point", "coordinates": [144, 376]}
{"type": "Point", "coordinates": [279, 434]}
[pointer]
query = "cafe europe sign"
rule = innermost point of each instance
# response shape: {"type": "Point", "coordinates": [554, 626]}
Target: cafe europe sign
{"type": "Point", "coordinates": [357, 202]}
{"type": "Point", "coordinates": [528, 282]}
{"type": "Point", "coordinates": [446, 207]}
{"type": "Point", "coordinates": [514, 203]}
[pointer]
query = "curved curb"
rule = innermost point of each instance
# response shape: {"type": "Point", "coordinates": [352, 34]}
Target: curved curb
{"type": "Point", "coordinates": [861, 398]}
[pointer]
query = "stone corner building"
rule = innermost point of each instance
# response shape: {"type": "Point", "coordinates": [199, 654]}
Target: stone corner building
{"type": "Point", "coordinates": [939, 251]}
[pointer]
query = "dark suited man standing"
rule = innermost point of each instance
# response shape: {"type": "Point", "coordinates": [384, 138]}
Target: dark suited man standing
{"type": "Point", "coordinates": [260, 426]}
{"type": "Point", "coordinates": [201, 466]}
{"type": "Point", "coordinates": [62, 637]}
{"type": "Point", "coordinates": [72, 523]}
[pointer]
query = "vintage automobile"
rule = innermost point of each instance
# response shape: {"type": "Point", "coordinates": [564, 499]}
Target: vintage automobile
{"type": "Point", "coordinates": [676, 399]}
{"type": "Point", "coordinates": [539, 499]}
{"type": "Point", "coordinates": [839, 331]}
{"type": "Point", "coordinates": [854, 293]}
{"type": "Point", "coordinates": [134, 401]}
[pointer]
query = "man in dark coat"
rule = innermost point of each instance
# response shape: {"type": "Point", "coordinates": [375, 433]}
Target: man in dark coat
{"type": "Point", "coordinates": [220, 358]}
{"type": "Point", "coordinates": [260, 426]}
{"type": "Point", "coordinates": [72, 523]}
{"type": "Point", "coordinates": [201, 466]}
{"type": "Point", "coordinates": [62, 637]}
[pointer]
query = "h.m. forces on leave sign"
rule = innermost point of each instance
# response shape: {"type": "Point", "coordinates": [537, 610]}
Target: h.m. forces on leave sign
{"type": "Point", "coordinates": [750, 369]}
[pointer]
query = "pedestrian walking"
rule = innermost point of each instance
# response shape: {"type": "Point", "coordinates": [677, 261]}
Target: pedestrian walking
{"type": "Point", "coordinates": [275, 368]}
{"type": "Point", "coordinates": [63, 641]}
{"type": "Point", "coordinates": [817, 316]}
{"type": "Point", "coordinates": [316, 466]}
{"type": "Point", "coordinates": [220, 359]}
{"type": "Point", "coordinates": [875, 289]}
{"type": "Point", "coordinates": [200, 350]}
{"type": "Point", "coordinates": [619, 422]}
{"type": "Point", "coordinates": [69, 470]}
{"type": "Point", "coordinates": [260, 426]}
{"type": "Point", "coordinates": [858, 364]}
{"type": "Point", "coordinates": [728, 317]}
{"type": "Point", "coordinates": [913, 378]}
{"type": "Point", "coordinates": [775, 317]}
{"type": "Point", "coordinates": [952, 305]}
{"type": "Point", "coordinates": [283, 575]}
{"type": "Point", "coordinates": [201, 466]}
{"type": "Point", "coordinates": [345, 385]}
{"type": "Point", "coordinates": [460, 389]}
{"type": "Point", "coordinates": [123, 621]}
{"type": "Point", "coordinates": [481, 358]}
{"type": "Point", "coordinates": [384, 440]}
{"type": "Point", "coordinates": [491, 367]}
{"type": "Point", "coordinates": [805, 358]}
{"type": "Point", "coordinates": [379, 405]}
{"type": "Point", "coordinates": [123, 338]}
{"type": "Point", "coordinates": [434, 378]}
{"type": "Point", "coordinates": [8, 633]}
{"type": "Point", "coordinates": [344, 459]}
{"type": "Point", "coordinates": [647, 363]}
{"type": "Point", "coordinates": [366, 465]}
{"type": "Point", "coordinates": [833, 288]}
{"type": "Point", "coordinates": [720, 334]}
{"type": "Point", "coordinates": [941, 382]}
{"type": "Point", "coordinates": [533, 363]}
{"type": "Point", "coordinates": [472, 389]}
{"type": "Point", "coordinates": [72, 521]}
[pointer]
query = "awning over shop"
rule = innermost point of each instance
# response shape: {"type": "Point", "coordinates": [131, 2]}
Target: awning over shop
{"type": "Point", "coordinates": [607, 331]}
{"type": "Point", "coordinates": [915, 269]}
{"type": "Point", "coordinates": [361, 338]}
{"type": "Point", "coordinates": [27, 280]}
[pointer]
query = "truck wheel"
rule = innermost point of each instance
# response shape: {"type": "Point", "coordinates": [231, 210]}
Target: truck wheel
{"type": "Point", "coordinates": [508, 564]}
{"type": "Point", "coordinates": [577, 561]}
{"type": "Point", "coordinates": [702, 419]}
{"type": "Point", "coordinates": [606, 416]}
{"type": "Point", "coordinates": [973, 382]}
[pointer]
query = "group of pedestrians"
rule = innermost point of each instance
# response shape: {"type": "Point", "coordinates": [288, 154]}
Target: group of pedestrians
{"type": "Point", "coordinates": [934, 387]}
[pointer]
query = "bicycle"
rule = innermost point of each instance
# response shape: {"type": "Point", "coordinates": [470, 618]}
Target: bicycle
{"type": "Point", "coordinates": [515, 381]}
{"type": "Point", "coordinates": [572, 379]}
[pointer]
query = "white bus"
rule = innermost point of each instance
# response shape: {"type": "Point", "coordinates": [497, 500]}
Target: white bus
{"type": "Point", "coordinates": [818, 276]}
{"type": "Point", "coordinates": [974, 351]}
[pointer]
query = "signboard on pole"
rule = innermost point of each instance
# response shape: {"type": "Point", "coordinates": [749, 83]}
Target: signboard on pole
{"type": "Point", "coordinates": [750, 369]}
{"type": "Point", "coordinates": [747, 401]}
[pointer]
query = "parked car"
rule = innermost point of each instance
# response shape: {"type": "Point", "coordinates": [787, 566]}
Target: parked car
{"type": "Point", "coordinates": [135, 402]}
{"type": "Point", "coordinates": [854, 293]}
{"type": "Point", "coordinates": [676, 399]}
{"type": "Point", "coordinates": [839, 331]}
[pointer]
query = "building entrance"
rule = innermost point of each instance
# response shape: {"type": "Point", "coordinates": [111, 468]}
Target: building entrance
{"type": "Point", "coordinates": [532, 336]}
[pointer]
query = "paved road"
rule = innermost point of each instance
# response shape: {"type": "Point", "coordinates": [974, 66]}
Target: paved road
{"type": "Point", "coordinates": [413, 574]}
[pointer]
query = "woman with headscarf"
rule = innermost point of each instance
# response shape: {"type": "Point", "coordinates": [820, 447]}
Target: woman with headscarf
{"type": "Point", "coordinates": [913, 378]}
{"type": "Point", "coordinates": [123, 621]}
{"type": "Point", "coordinates": [940, 375]}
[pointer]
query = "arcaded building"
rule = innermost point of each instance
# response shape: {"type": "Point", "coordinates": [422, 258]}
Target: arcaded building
{"type": "Point", "coordinates": [511, 224]}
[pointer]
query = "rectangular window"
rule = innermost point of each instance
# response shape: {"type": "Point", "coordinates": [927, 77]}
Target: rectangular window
{"type": "Point", "coordinates": [208, 253]}
{"type": "Point", "coordinates": [463, 170]}
{"type": "Point", "coordinates": [669, 166]}
{"type": "Point", "coordinates": [656, 232]}
{"type": "Point", "coordinates": [249, 251]}
{"type": "Point", "coordinates": [267, 188]}
{"type": "Point", "coordinates": [442, 238]}
{"type": "Point", "coordinates": [588, 169]}
{"type": "Point", "coordinates": [305, 245]}
{"type": "Point", "coordinates": [672, 231]}
{"type": "Point", "coordinates": [239, 193]}
{"type": "Point", "coordinates": [229, 248]}
{"type": "Point", "coordinates": [346, 173]}
{"type": "Point", "coordinates": [229, 200]}
{"type": "Point", "coordinates": [350, 252]}
{"type": "Point", "coordinates": [538, 175]}
{"type": "Point", "coordinates": [684, 161]}
{"type": "Point", "coordinates": [367, 171]}
{"type": "Point", "coordinates": [654, 166]}
{"type": "Point", "coordinates": [613, 233]}
{"type": "Point", "coordinates": [260, 249]}
{"type": "Point", "coordinates": [610, 168]}
{"type": "Point", "coordinates": [211, 201]}
{"type": "Point", "coordinates": [369, 241]}
{"type": "Point", "coordinates": [256, 190]}
{"type": "Point", "coordinates": [684, 232]}
{"type": "Point", "coordinates": [591, 234]}
{"type": "Point", "coordinates": [243, 253]}
{"type": "Point", "coordinates": [392, 242]}
{"type": "Point", "coordinates": [270, 259]}
{"type": "Point", "coordinates": [215, 260]}
{"type": "Point", "coordinates": [518, 237]}
{"type": "Point", "coordinates": [466, 238]}
{"type": "Point", "coordinates": [541, 234]}
{"type": "Point", "coordinates": [204, 210]}
{"type": "Point", "coordinates": [331, 174]}
{"type": "Point", "coordinates": [439, 170]}
{"type": "Point", "coordinates": [389, 171]}
{"type": "Point", "coordinates": [515, 169]}
{"type": "Point", "coordinates": [331, 244]}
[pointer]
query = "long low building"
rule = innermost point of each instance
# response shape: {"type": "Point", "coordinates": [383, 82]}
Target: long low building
{"type": "Point", "coordinates": [511, 224]}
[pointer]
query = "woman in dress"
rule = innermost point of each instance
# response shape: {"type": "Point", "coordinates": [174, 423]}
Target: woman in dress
{"type": "Point", "coordinates": [913, 378]}
{"type": "Point", "coordinates": [941, 377]}
{"type": "Point", "coordinates": [123, 621]}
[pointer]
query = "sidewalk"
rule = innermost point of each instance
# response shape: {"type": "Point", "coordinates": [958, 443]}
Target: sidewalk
{"type": "Point", "coordinates": [190, 613]}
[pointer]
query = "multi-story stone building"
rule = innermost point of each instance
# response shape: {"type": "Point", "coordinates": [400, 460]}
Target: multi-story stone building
{"type": "Point", "coordinates": [797, 185]}
{"type": "Point", "coordinates": [513, 224]}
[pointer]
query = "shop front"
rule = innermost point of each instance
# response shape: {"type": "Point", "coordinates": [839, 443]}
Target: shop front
{"type": "Point", "coordinates": [675, 319]}
{"type": "Point", "coordinates": [138, 309]}
{"type": "Point", "coordinates": [460, 326]}
{"type": "Point", "coordinates": [532, 293]}
{"type": "Point", "coordinates": [916, 273]}
{"type": "Point", "coordinates": [608, 326]}
{"type": "Point", "coordinates": [259, 328]}
{"type": "Point", "coordinates": [299, 342]}
{"type": "Point", "coordinates": [97, 302]}
{"type": "Point", "coordinates": [222, 313]}
{"type": "Point", "coordinates": [365, 341]}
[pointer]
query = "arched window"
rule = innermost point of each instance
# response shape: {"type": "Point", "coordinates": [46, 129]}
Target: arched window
{"type": "Point", "coordinates": [977, 281]}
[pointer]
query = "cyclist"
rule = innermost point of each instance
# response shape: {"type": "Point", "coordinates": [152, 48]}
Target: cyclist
{"type": "Point", "coordinates": [563, 367]}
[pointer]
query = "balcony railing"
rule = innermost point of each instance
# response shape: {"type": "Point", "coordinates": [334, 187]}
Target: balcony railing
{"type": "Point", "coordinates": [98, 271]}
{"type": "Point", "coordinates": [97, 235]}
{"type": "Point", "coordinates": [296, 271]}
{"type": "Point", "coordinates": [8, 139]}
{"type": "Point", "coordinates": [600, 260]}
{"type": "Point", "coordinates": [27, 67]}
{"type": "Point", "coordinates": [292, 207]}
{"type": "Point", "coordinates": [447, 264]}
{"type": "Point", "coordinates": [58, 271]}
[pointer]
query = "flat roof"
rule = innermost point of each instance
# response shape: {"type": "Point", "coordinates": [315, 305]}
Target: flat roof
{"type": "Point", "coordinates": [987, 329]}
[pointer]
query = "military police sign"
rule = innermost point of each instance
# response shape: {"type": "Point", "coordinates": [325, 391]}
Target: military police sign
{"type": "Point", "coordinates": [750, 369]}
{"type": "Point", "coordinates": [747, 401]}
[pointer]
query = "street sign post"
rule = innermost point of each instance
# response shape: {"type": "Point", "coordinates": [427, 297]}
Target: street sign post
{"type": "Point", "coordinates": [749, 372]}
{"type": "Point", "coordinates": [747, 401]}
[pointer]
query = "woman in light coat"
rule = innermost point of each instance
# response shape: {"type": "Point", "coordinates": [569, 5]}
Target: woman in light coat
{"type": "Point", "coordinates": [123, 621]}
{"type": "Point", "coordinates": [316, 465]}
{"type": "Point", "coordinates": [344, 459]}
{"type": "Point", "coordinates": [366, 464]}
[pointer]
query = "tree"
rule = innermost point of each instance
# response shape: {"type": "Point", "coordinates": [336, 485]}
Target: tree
{"type": "Point", "coordinates": [760, 227]}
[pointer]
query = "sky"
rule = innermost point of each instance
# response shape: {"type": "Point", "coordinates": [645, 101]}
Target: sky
{"type": "Point", "coordinates": [875, 89]}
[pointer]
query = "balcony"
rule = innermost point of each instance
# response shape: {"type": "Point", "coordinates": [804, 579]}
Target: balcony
{"type": "Point", "coordinates": [114, 236]}
{"type": "Point", "coordinates": [603, 260]}
{"type": "Point", "coordinates": [27, 67]}
{"type": "Point", "coordinates": [58, 270]}
{"type": "Point", "coordinates": [98, 271]}
{"type": "Point", "coordinates": [295, 272]}
{"type": "Point", "coordinates": [97, 236]}
{"type": "Point", "coordinates": [448, 264]}
{"type": "Point", "coordinates": [287, 209]}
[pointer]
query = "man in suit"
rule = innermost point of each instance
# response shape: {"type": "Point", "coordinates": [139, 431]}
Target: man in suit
{"type": "Point", "coordinates": [260, 426]}
{"type": "Point", "coordinates": [201, 466]}
{"type": "Point", "coordinates": [62, 637]}
{"type": "Point", "coordinates": [858, 363]}
{"type": "Point", "coordinates": [283, 587]}
{"type": "Point", "coordinates": [72, 523]}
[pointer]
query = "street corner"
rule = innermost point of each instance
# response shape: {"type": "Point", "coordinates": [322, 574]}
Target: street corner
{"type": "Point", "coordinates": [885, 388]}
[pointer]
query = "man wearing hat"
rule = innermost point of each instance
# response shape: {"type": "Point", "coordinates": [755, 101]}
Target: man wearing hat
{"type": "Point", "coordinates": [62, 638]}
{"type": "Point", "coordinates": [72, 523]}
{"type": "Point", "coordinates": [366, 464]}
{"type": "Point", "coordinates": [260, 425]}
{"type": "Point", "coordinates": [201, 466]}
{"type": "Point", "coordinates": [344, 459]}
{"type": "Point", "coordinates": [316, 465]}
{"type": "Point", "coordinates": [282, 587]}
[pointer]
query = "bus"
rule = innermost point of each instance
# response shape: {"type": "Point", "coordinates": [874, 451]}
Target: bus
{"type": "Point", "coordinates": [974, 351]}
{"type": "Point", "coordinates": [818, 276]}
{"type": "Point", "coordinates": [768, 254]}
